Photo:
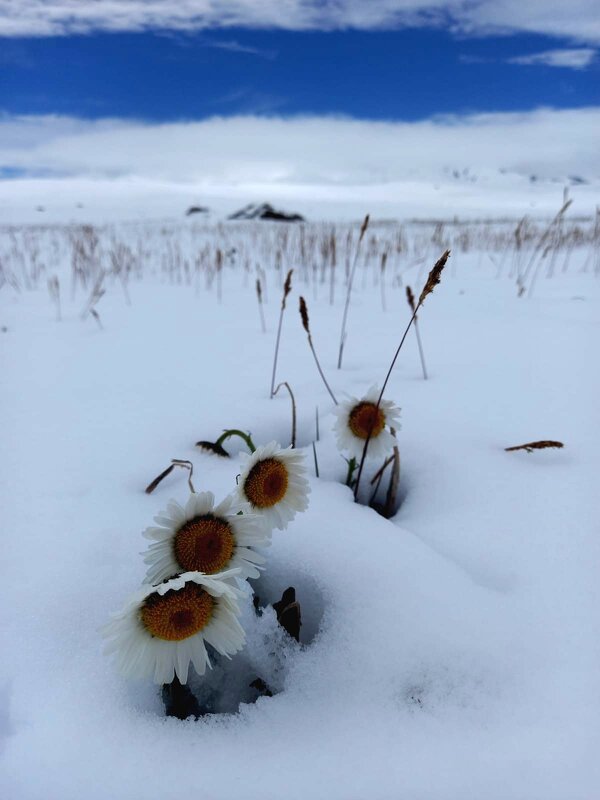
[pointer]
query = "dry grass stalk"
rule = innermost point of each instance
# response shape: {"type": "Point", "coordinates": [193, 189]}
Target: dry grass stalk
{"type": "Point", "coordinates": [391, 497]}
{"type": "Point", "coordinates": [260, 305]}
{"type": "Point", "coordinates": [522, 279]}
{"type": "Point", "coordinates": [433, 280]}
{"type": "Point", "coordinates": [384, 258]}
{"type": "Point", "coordinates": [292, 398]}
{"type": "Point", "coordinates": [378, 475]}
{"type": "Point", "coordinates": [95, 296]}
{"type": "Point", "coordinates": [314, 449]}
{"type": "Point", "coordinates": [306, 326]}
{"type": "Point", "coordinates": [531, 446]}
{"type": "Point", "coordinates": [377, 478]}
{"type": "Point", "coordinates": [411, 302]}
{"type": "Point", "coordinates": [287, 288]}
{"type": "Point", "coordinates": [219, 271]}
{"type": "Point", "coordinates": [175, 462]}
{"type": "Point", "coordinates": [54, 292]}
{"type": "Point", "coordinates": [363, 230]}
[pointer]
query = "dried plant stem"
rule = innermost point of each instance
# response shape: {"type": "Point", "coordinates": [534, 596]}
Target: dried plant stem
{"type": "Point", "coordinates": [286, 290]}
{"type": "Point", "coordinates": [260, 305]}
{"type": "Point", "coordinates": [377, 478]}
{"type": "Point", "coordinates": [314, 448]}
{"type": "Point", "coordinates": [175, 462]}
{"type": "Point", "coordinates": [411, 302]}
{"type": "Point", "coordinates": [384, 257]}
{"type": "Point", "coordinates": [306, 326]}
{"type": "Point", "coordinates": [433, 280]}
{"type": "Point", "coordinates": [389, 508]}
{"type": "Point", "coordinates": [379, 474]}
{"type": "Point", "coordinates": [420, 349]}
{"type": "Point", "coordinates": [54, 291]}
{"type": "Point", "coordinates": [317, 422]}
{"type": "Point", "coordinates": [349, 291]}
{"type": "Point", "coordinates": [288, 387]}
{"type": "Point", "coordinates": [531, 446]}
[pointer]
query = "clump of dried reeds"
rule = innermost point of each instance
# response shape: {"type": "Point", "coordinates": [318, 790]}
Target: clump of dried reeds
{"type": "Point", "coordinates": [96, 295]}
{"type": "Point", "coordinates": [306, 326]}
{"type": "Point", "coordinates": [287, 288]}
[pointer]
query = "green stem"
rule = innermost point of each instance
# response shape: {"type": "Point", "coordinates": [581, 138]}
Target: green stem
{"type": "Point", "coordinates": [352, 465]}
{"type": "Point", "coordinates": [235, 432]}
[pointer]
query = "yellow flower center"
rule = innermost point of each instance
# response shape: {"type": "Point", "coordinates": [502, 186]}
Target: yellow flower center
{"type": "Point", "coordinates": [267, 483]}
{"type": "Point", "coordinates": [177, 615]}
{"type": "Point", "coordinates": [365, 418]}
{"type": "Point", "coordinates": [204, 544]}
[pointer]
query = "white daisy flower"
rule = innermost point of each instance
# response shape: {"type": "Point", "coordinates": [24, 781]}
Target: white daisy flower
{"type": "Point", "coordinates": [164, 628]}
{"type": "Point", "coordinates": [273, 483]}
{"type": "Point", "coordinates": [205, 538]}
{"type": "Point", "coordinates": [357, 417]}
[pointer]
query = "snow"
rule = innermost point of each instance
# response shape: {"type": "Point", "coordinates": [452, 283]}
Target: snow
{"type": "Point", "coordinates": [450, 652]}
{"type": "Point", "coordinates": [100, 200]}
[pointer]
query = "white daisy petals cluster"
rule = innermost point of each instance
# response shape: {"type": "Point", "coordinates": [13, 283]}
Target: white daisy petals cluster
{"type": "Point", "coordinates": [272, 483]}
{"type": "Point", "coordinates": [205, 538]}
{"type": "Point", "coordinates": [163, 628]}
{"type": "Point", "coordinates": [199, 554]}
{"type": "Point", "coordinates": [356, 417]}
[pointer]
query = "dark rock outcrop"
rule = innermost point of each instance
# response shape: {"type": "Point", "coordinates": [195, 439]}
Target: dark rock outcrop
{"type": "Point", "coordinates": [265, 211]}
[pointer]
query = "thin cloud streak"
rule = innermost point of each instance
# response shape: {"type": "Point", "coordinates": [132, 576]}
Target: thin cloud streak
{"type": "Point", "coordinates": [576, 58]}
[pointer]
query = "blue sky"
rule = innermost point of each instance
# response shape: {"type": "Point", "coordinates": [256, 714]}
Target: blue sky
{"type": "Point", "coordinates": [406, 74]}
{"type": "Point", "coordinates": [280, 95]}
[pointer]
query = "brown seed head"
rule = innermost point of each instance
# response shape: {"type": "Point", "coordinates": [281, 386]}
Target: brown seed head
{"type": "Point", "coordinates": [384, 258]}
{"type": "Point", "coordinates": [304, 315]}
{"type": "Point", "coordinates": [410, 298]}
{"type": "Point", "coordinates": [287, 286]}
{"type": "Point", "coordinates": [258, 290]}
{"type": "Point", "coordinates": [434, 276]}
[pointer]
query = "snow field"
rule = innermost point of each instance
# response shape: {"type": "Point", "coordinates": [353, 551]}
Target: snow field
{"type": "Point", "coordinates": [448, 653]}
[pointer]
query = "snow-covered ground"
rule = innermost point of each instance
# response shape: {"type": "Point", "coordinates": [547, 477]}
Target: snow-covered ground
{"type": "Point", "coordinates": [450, 653]}
{"type": "Point", "coordinates": [80, 200]}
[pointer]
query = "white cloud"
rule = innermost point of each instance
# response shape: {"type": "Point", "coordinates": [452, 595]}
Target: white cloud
{"type": "Point", "coordinates": [575, 58]}
{"type": "Point", "coordinates": [307, 150]}
{"type": "Point", "coordinates": [577, 19]}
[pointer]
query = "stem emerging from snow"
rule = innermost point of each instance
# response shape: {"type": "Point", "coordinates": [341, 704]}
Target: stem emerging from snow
{"type": "Point", "coordinates": [432, 281]}
{"type": "Point", "coordinates": [287, 386]}
{"type": "Point", "coordinates": [235, 432]}
{"type": "Point", "coordinates": [287, 288]}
